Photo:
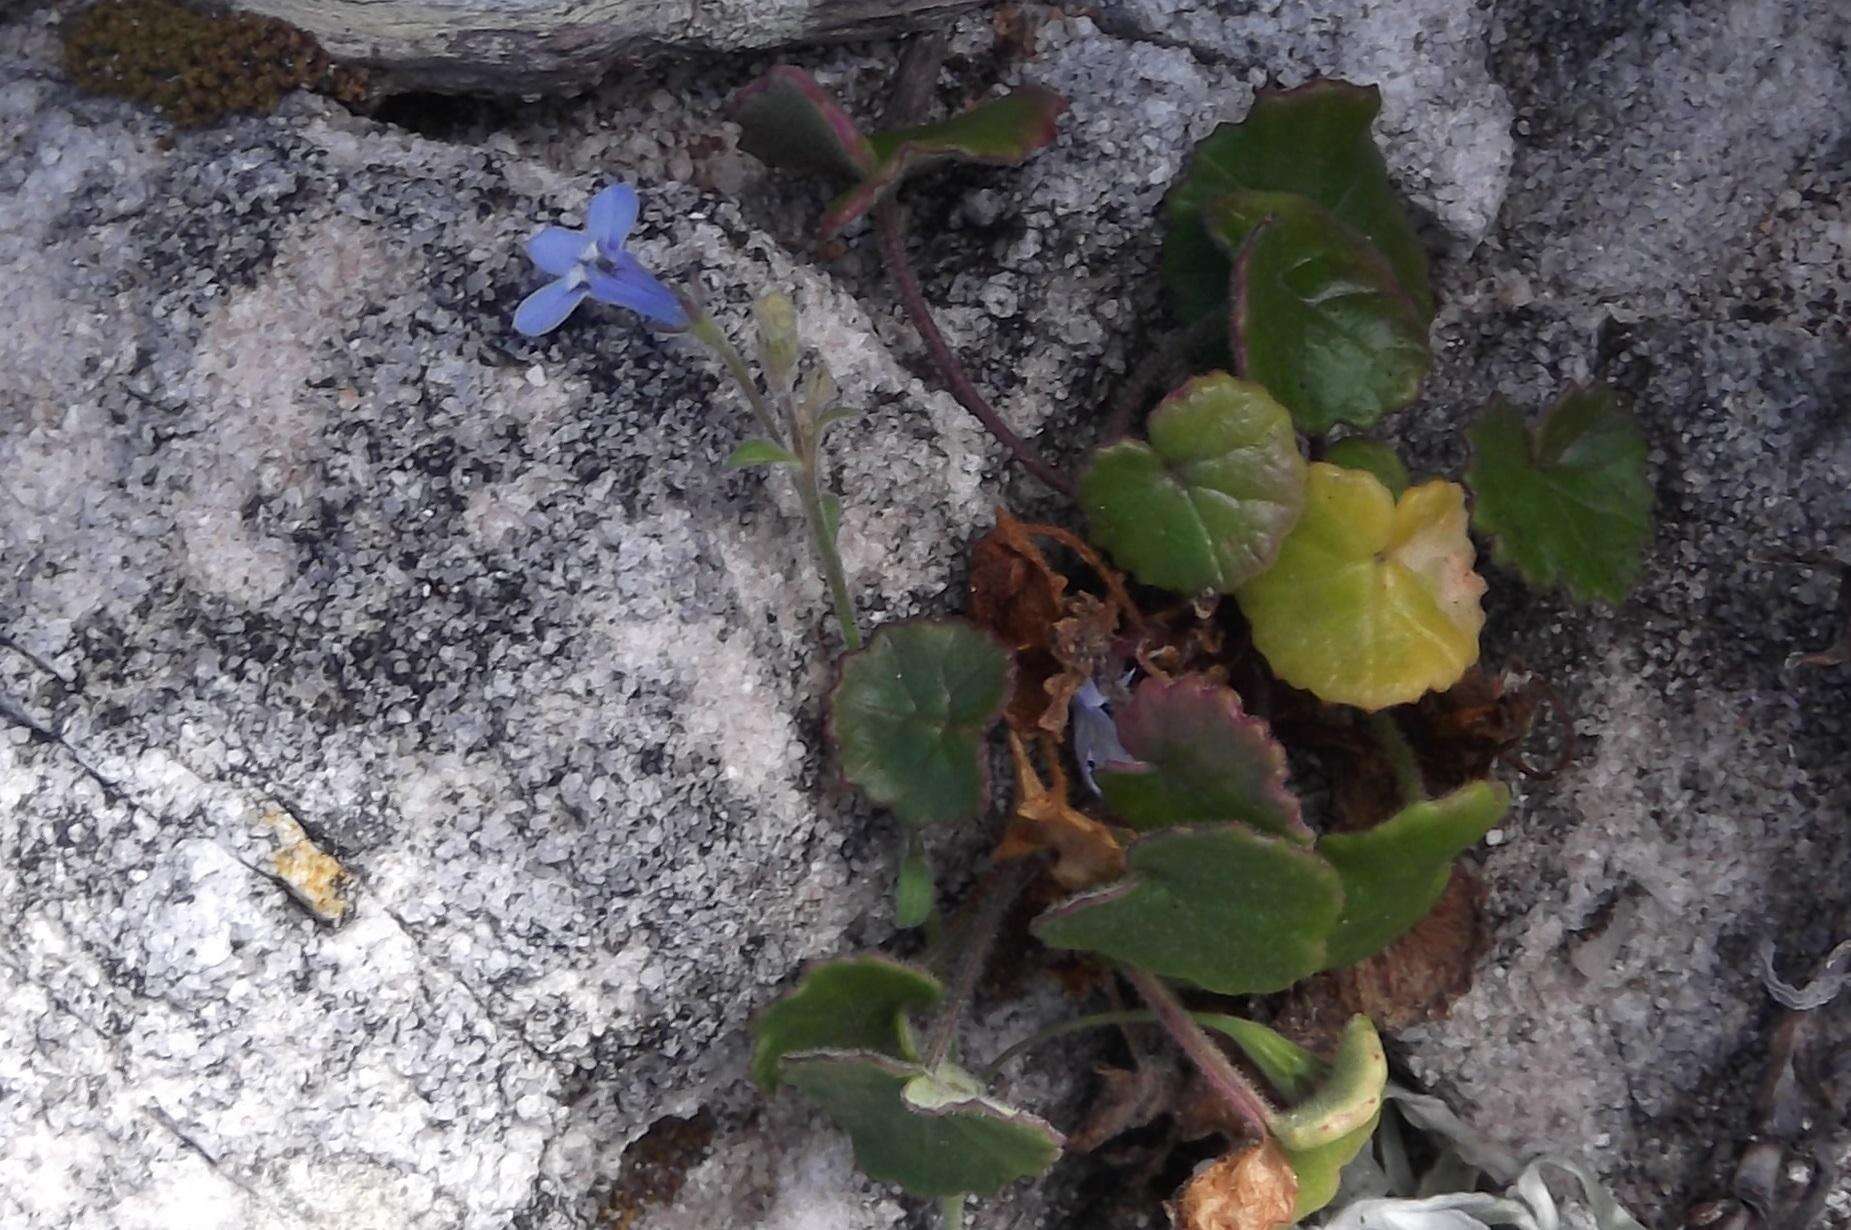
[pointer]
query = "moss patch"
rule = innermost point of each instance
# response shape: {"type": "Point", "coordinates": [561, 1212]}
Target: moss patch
{"type": "Point", "coordinates": [198, 67]}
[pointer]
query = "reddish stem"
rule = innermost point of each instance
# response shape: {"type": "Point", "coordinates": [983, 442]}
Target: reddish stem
{"type": "Point", "coordinates": [1209, 1059]}
{"type": "Point", "coordinates": [893, 248]}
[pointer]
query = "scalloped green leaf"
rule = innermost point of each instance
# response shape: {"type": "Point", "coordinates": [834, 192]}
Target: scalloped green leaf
{"type": "Point", "coordinates": [1361, 453]}
{"type": "Point", "coordinates": [1394, 873]}
{"type": "Point", "coordinates": [1318, 319]}
{"type": "Point", "coordinates": [1200, 758]}
{"type": "Point", "coordinates": [1314, 141]}
{"type": "Point", "coordinates": [855, 1003]}
{"type": "Point", "coordinates": [787, 120]}
{"type": "Point", "coordinates": [1373, 601]}
{"type": "Point", "coordinates": [1001, 132]}
{"type": "Point", "coordinates": [1571, 505]}
{"type": "Point", "coordinates": [1205, 504]}
{"type": "Point", "coordinates": [933, 1135]}
{"type": "Point", "coordinates": [910, 712]}
{"type": "Point", "coordinates": [1221, 906]}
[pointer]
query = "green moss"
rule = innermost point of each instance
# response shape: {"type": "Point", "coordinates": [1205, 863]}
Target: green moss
{"type": "Point", "coordinates": [198, 67]}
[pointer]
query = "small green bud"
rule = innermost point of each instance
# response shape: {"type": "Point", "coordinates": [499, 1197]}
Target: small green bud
{"type": "Point", "coordinates": [819, 391]}
{"type": "Point", "coordinates": [777, 337]}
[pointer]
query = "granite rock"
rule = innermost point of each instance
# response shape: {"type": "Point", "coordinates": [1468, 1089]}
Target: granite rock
{"type": "Point", "coordinates": [523, 47]}
{"type": "Point", "coordinates": [306, 556]}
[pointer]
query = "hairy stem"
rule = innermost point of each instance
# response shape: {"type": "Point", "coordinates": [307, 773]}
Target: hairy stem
{"type": "Point", "coordinates": [1006, 883]}
{"type": "Point", "coordinates": [1401, 758]}
{"type": "Point", "coordinates": [893, 248]}
{"type": "Point", "coordinates": [1216, 1068]}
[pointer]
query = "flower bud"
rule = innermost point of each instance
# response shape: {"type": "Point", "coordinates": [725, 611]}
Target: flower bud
{"type": "Point", "coordinates": [777, 337]}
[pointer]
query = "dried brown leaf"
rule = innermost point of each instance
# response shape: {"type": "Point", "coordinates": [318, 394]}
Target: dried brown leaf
{"type": "Point", "coordinates": [1082, 645]}
{"type": "Point", "coordinates": [1253, 1189]}
{"type": "Point", "coordinates": [1086, 851]}
{"type": "Point", "coordinates": [1127, 1099]}
{"type": "Point", "coordinates": [1415, 979]}
{"type": "Point", "coordinates": [1018, 596]}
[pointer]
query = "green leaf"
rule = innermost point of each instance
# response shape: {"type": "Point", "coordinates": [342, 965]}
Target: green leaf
{"type": "Point", "coordinates": [1292, 1070]}
{"type": "Point", "coordinates": [1199, 758]}
{"type": "Point", "coordinates": [910, 712]}
{"type": "Point", "coordinates": [760, 453]}
{"type": "Point", "coordinates": [1319, 319]}
{"type": "Point", "coordinates": [913, 895]}
{"type": "Point", "coordinates": [1572, 506]}
{"type": "Point", "coordinates": [1001, 132]}
{"type": "Point", "coordinates": [1313, 141]}
{"type": "Point", "coordinates": [933, 1135]}
{"type": "Point", "coordinates": [832, 516]}
{"type": "Point", "coordinates": [1221, 906]}
{"type": "Point", "coordinates": [1320, 1168]}
{"type": "Point", "coordinates": [787, 120]}
{"type": "Point", "coordinates": [1207, 502]}
{"type": "Point", "coordinates": [1373, 601]}
{"type": "Point", "coordinates": [1349, 1097]}
{"type": "Point", "coordinates": [1362, 453]}
{"type": "Point", "coordinates": [1347, 1092]}
{"type": "Point", "coordinates": [855, 1003]}
{"type": "Point", "coordinates": [1393, 873]}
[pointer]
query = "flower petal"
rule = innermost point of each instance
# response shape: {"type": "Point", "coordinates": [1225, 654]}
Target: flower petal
{"type": "Point", "coordinates": [610, 216]}
{"type": "Point", "coordinates": [628, 284]}
{"type": "Point", "coordinates": [555, 250]}
{"type": "Point", "coordinates": [542, 311]}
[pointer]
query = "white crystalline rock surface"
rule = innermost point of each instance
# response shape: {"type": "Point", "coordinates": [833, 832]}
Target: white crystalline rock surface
{"type": "Point", "coordinates": [295, 532]}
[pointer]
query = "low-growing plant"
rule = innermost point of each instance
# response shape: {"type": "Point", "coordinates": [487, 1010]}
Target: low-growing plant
{"type": "Point", "coordinates": [1252, 563]}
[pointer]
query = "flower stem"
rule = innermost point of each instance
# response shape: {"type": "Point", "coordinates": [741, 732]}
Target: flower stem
{"type": "Point", "coordinates": [893, 248]}
{"type": "Point", "coordinates": [1216, 1068]}
{"type": "Point", "coordinates": [707, 331]}
{"type": "Point", "coordinates": [1006, 883]}
{"type": "Point", "coordinates": [828, 555]}
{"type": "Point", "coordinates": [1394, 744]}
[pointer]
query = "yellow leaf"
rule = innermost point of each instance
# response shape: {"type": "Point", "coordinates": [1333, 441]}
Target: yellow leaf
{"type": "Point", "coordinates": [1373, 601]}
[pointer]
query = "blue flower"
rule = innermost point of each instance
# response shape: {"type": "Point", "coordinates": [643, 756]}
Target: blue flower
{"type": "Point", "coordinates": [592, 263]}
{"type": "Point", "coordinates": [1095, 732]}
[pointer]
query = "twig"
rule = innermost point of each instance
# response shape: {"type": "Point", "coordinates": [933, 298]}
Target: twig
{"type": "Point", "coordinates": [893, 249]}
{"type": "Point", "coordinates": [1159, 367]}
{"type": "Point", "coordinates": [914, 78]}
{"type": "Point", "coordinates": [1006, 884]}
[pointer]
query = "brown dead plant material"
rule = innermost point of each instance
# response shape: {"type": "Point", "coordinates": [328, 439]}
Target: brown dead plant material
{"type": "Point", "coordinates": [1086, 851]}
{"type": "Point", "coordinates": [1059, 638]}
{"type": "Point", "coordinates": [1253, 1189]}
{"type": "Point", "coordinates": [1413, 980]}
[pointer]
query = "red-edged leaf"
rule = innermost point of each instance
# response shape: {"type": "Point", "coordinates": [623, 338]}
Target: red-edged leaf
{"type": "Point", "coordinates": [788, 120]}
{"type": "Point", "coordinates": [1201, 758]}
{"type": "Point", "coordinates": [1002, 132]}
